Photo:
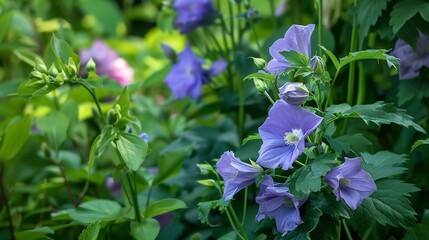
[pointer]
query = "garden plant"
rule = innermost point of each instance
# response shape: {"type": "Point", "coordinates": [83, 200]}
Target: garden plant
{"type": "Point", "coordinates": [214, 119]}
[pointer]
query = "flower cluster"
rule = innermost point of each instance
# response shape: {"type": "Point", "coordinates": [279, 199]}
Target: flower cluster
{"type": "Point", "coordinates": [284, 134]}
{"type": "Point", "coordinates": [187, 75]}
{"type": "Point", "coordinates": [412, 60]}
{"type": "Point", "coordinates": [108, 63]}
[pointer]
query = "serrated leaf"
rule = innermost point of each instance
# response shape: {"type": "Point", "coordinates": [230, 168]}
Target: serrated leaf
{"type": "Point", "coordinates": [146, 230]}
{"type": "Point", "coordinates": [384, 164]}
{"type": "Point", "coordinates": [421, 231]}
{"type": "Point", "coordinates": [204, 209]}
{"type": "Point", "coordinates": [403, 11]}
{"type": "Point", "coordinates": [296, 59]}
{"type": "Point", "coordinates": [132, 149]}
{"type": "Point", "coordinates": [416, 89]}
{"type": "Point", "coordinates": [378, 113]}
{"type": "Point", "coordinates": [310, 215]}
{"type": "Point", "coordinates": [164, 206]}
{"type": "Point", "coordinates": [368, 12]}
{"type": "Point", "coordinates": [418, 143]}
{"type": "Point", "coordinates": [329, 205]}
{"type": "Point", "coordinates": [308, 178]}
{"type": "Point", "coordinates": [14, 137]}
{"type": "Point", "coordinates": [388, 205]}
{"type": "Point", "coordinates": [91, 232]}
{"type": "Point", "coordinates": [379, 54]}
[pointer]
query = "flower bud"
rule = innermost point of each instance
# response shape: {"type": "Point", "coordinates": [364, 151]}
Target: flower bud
{"type": "Point", "coordinates": [60, 78]}
{"type": "Point", "coordinates": [71, 68]}
{"type": "Point", "coordinates": [260, 63]}
{"type": "Point", "coordinates": [169, 52]}
{"type": "Point", "coordinates": [294, 93]}
{"type": "Point", "coordinates": [40, 65]}
{"type": "Point", "coordinates": [260, 85]}
{"type": "Point", "coordinates": [36, 75]}
{"type": "Point", "coordinates": [53, 71]}
{"type": "Point", "coordinates": [317, 65]}
{"type": "Point", "coordinates": [112, 116]}
{"type": "Point", "coordinates": [91, 66]}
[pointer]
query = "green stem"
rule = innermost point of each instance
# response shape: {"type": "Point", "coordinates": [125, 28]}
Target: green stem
{"type": "Point", "coordinates": [269, 97]}
{"type": "Point", "coordinates": [134, 198]}
{"type": "Point", "coordinates": [347, 230]}
{"type": "Point", "coordinates": [240, 110]}
{"type": "Point", "coordinates": [244, 207]}
{"type": "Point", "coordinates": [94, 97]}
{"type": "Point", "coordinates": [352, 68]}
{"type": "Point", "coordinates": [300, 163]}
{"type": "Point", "coordinates": [261, 53]}
{"type": "Point", "coordinates": [237, 222]}
{"type": "Point", "coordinates": [339, 229]}
{"type": "Point", "coordinates": [6, 204]}
{"type": "Point", "coordinates": [329, 99]}
{"type": "Point", "coordinates": [362, 85]}
{"type": "Point", "coordinates": [320, 25]}
{"type": "Point", "coordinates": [66, 183]}
{"type": "Point", "coordinates": [149, 193]}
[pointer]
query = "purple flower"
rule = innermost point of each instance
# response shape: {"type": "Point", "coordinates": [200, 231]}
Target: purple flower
{"type": "Point", "coordinates": [283, 134]}
{"type": "Point", "coordinates": [192, 14]}
{"type": "Point", "coordinates": [294, 93]}
{"type": "Point", "coordinates": [236, 174]}
{"type": "Point", "coordinates": [114, 187]}
{"type": "Point", "coordinates": [275, 201]}
{"type": "Point", "coordinates": [187, 75]}
{"type": "Point", "coordinates": [297, 38]}
{"type": "Point", "coordinates": [108, 63]}
{"type": "Point", "coordinates": [350, 182]}
{"type": "Point", "coordinates": [145, 137]}
{"type": "Point", "coordinates": [412, 60]}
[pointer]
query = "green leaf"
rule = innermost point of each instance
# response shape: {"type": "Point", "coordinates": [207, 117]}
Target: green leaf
{"type": "Point", "coordinates": [296, 59]}
{"type": "Point", "coordinates": [5, 23]}
{"type": "Point", "coordinates": [54, 127]}
{"type": "Point", "coordinates": [146, 230]}
{"type": "Point", "coordinates": [93, 154]}
{"type": "Point", "coordinates": [35, 233]}
{"type": "Point", "coordinates": [421, 231]}
{"type": "Point", "coordinates": [308, 178]}
{"type": "Point", "coordinates": [14, 137]}
{"type": "Point", "coordinates": [132, 149]}
{"type": "Point", "coordinates": [329, 205]}
{"type": "Point", "coordinates": [255, 136]}
{"type": "Point", "coordinates": [229, 236]}
{"type": "Point", "coordinates": [92, 81]}
{"type": "Point", "coordinates": [424, 12]}
{"type": "Point", "coordinates": [100, 209]}
{"type": "Point", "coordinates": [268, 78]}
{"type": "Point", "coordinates": [331, 56]}
{"type": "Point", "coordinates": [368, 12]}
{"type": "Point", "coordinates": [388, 205]}
{"type": "Point", "coordinates": [384, 164]}
{"type": "Point", "coordinates": [379, 54]}
{"type": "Point", "coordinates": [124, 102]}
{"type": "Point", "coordinates": [169, 164]}
{"type": "Point", "coordinates": [418, 143]}
{"type": "Point", "coordinates": [378, 113]}
{"type": "Point", "coordinates": [415, 89]}
{"type": "Point", "coordinates": [62, 52]}
{"type": "Point", "coordinates": [91, 232]}
{"type": "Point", "coordinates": [163, 206]}
{"type": "Point", "coordinates": [403, 11]}
{"type": "Point", "coordinates": [204, 209]}
{"type": "Point", "coordinates": [165, 20]}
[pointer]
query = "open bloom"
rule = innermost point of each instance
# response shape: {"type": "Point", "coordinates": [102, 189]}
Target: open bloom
{"type": "Point", "coordinates": [350, 182]}
{"type": "Point", "coordinates": [236, 174]}
{"type": "Point", "coordinates": [108, 63]}
{"type": "Point", "coordinates": [412, 60]}
{"type": "Point", "coordinates": [192, 14]}
{"type": "Point", "coordinates": [283, 134]}
{"type": "Point", "coordinates": [297, 38]}
{"type": "Point", "coordinates": [275, 201]}
{"type": "Point", "coordinates": [187, 75]}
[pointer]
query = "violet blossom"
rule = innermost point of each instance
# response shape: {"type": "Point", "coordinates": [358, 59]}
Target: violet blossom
{"type": "Point", "coordinates": [350, 182]}
{"type": "Point", "coordinates": [412, 60]}
{"type": "Point", "coordinates": [275, 201]}
{"type": "Point", "coordinates": [187, 76]}
{"type": "Point", "coordinates": [283, 134]}
{"type": "Point", "coordinates": [236, 174]}
{"type": "Point", "coordinates": [192, 14]}
{"type": "Point", "coordinates": [108, 63]}
{"type": "Point", "coordinates": [297, 38]}
{"type": "Point", "coordinates": [294, 93]}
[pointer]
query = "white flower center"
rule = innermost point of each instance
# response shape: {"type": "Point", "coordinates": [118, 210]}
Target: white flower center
{"type": "Point", "coordinates": [293, 138]}
{"type": "Point", "coordinates": [344, 182]}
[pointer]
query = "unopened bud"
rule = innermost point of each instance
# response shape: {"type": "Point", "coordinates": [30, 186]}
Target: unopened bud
{"type": "Point", "coordinates": [36, 75]}
{"type": "Point", "coordinates": [260, 63]}
{"type": "Point", "coordinates": [260, 85]}
{"type": "Point", "coordinates": [71, 68]}
{"type": "Point", "coordinates": [294, 93]}
{"type": "Point", "coordinates": [40, 65]}
{"type": "Point", "coordinates": [169, 52]}
{"type": "Point", "coordinates": [91, 66]}
{"type": "Point", "coordinates": [317, 65]}
{"type": "Point", "coordinates": [53, 71]}
{"type": "Point", "coordinates": [60, 78]}
{"type": "Point", "coordinates": [112, 116]}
